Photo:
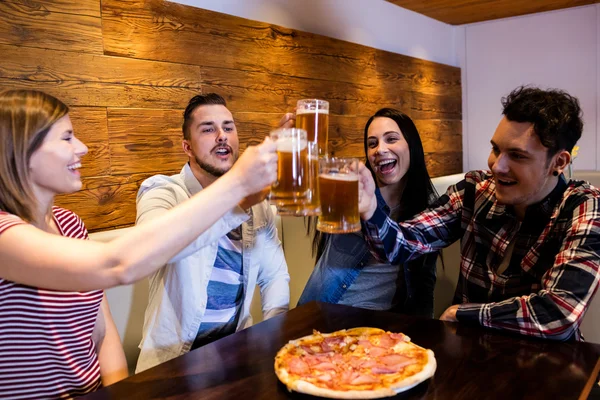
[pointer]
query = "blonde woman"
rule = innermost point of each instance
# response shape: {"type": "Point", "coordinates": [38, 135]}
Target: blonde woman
{"type": "Point", "coordinates": [57, 338]}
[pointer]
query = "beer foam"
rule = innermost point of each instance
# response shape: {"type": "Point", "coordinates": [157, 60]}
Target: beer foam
{"type": "Point", "coordinates": [340, 177]}
{"type": "Point", "coordinates": [290, 145]}
{"type": "Point", "coordinates": [319, 111]}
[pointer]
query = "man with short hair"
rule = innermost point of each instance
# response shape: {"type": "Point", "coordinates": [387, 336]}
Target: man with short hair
{"type": "Point", "coordinates": [530, 239]}
{"type": "Point", "coordinates": [205, 292]}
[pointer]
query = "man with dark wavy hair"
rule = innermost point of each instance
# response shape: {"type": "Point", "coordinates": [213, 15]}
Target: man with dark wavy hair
{"type": "Point", "coordinates": [530, 239]}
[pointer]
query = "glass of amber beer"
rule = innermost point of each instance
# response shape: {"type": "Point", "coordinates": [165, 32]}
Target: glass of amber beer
{"type": "Point", "coordinates": [338, 193]}
{"type": "Point", "coordinates": [292, 186]}
{"type": "Point", "coordinates": [312, 115]}
{"type": "Point", "coordinates": [309, 205]}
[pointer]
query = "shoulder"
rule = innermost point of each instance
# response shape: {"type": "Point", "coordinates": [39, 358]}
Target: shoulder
{"type": "Point", "coordinates": [478, 177]}
{"type": "Point", "coordinates": [70, 223]}
{"type": "Point", "coordinates": [479, 186]}
{"type": "Point", "coordinates": [579, 193]}
{"type": "Point", "coordinates": [64, 215]}
{"type": "Point", "coordinates": [163, 186]}
{"type": "Point", "coordinates": [8, 220]}
{"type": "Point", "coordinates": [582, 189]}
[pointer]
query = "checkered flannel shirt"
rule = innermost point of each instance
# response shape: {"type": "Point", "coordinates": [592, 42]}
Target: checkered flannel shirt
{"type": "Point", "coordinates": [554, 269]}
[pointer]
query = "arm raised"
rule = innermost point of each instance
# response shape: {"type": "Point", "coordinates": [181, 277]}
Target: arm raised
{"type": "Point", "coordinates": [33, 257]}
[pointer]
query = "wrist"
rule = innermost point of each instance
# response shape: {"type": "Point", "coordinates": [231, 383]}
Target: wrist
{"type": "Point", "coordinates": [370, 211]}
{"type": "Point", "coordinates": [236, 186]}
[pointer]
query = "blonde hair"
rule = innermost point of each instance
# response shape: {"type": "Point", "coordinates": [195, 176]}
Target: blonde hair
{"type": "Point", "coordinates": [26, 116]}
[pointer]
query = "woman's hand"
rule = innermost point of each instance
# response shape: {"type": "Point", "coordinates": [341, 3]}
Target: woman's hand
{"type": "Point", "coordinates": [287, 121]}
{"type": "Point", "coordinates": [367, 201]}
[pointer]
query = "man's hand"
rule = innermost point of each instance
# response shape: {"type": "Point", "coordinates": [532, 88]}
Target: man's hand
{"type": "Point", "coordinates": [288, 120]}
{"type": "Point", "coordinates": [256, 168]}
{"type": "Point", "coordinates": [255, 198]}
{"type": "Point", "coordinates": [450, 314]}
{"type": "Point", "coordinates": [367, 201]}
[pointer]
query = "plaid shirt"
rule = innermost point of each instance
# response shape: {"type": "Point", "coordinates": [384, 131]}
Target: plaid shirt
{"type": "Point", "coordinates": [554, 269]}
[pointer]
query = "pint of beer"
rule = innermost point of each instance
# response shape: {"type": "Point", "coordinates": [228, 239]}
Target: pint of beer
{"type": "Point", "coordinates": [312, 115]}
{"type": "Point", "coordinates": [310, 205]}
{"type": "Point", "coordinates": [338, 193]}
{"type": "Point", "coordinates": [292, 186]}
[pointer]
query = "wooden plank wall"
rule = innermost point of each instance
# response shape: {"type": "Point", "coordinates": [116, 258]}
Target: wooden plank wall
{"type": "Point", "coordinates": [127, 68]}
{"type": "Point", "coordinates": [459, 12]}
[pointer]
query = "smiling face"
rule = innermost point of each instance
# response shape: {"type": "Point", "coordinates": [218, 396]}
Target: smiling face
{"type": "Point", "coordinates": [54, 166]}
{"type": "Point", "coordinates": [213, 145]}
{"type": "Point", "coordinates": [387, 151]}
{"type": "Point", "coordinates": [522, 169]}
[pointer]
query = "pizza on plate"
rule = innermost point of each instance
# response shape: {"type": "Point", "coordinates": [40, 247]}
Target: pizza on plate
{"type": "Point", "coordinates": [358, 363]}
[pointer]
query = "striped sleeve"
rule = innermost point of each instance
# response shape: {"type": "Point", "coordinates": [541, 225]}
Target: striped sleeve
{"type": "Point", "coordinates": [8, 221]}
{"type": "Point", "coordinates": [70, 224]}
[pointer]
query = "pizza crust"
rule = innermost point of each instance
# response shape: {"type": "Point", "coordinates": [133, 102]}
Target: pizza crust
{"type": "Point", "coordinates": [412, 381]}
{"type": "Point", "coordinates": [309, 388]}
{"type": "Point", "coordinates": [303, 386]}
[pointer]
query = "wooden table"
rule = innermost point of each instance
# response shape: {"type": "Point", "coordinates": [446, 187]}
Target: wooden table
{"type": "Point", "coordinates": [473, 363]}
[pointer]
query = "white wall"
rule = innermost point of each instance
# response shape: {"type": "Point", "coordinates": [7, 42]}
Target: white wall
{"type": "Point", "coordinates": [555, 49]}
{"type": "Point", "coordinates": [374, 23]}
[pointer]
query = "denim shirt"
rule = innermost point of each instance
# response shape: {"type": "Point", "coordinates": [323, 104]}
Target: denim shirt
{"type": "Point", "coordinates": [178, 297]}
{"type": "Point", "coordinates": [346, 255]}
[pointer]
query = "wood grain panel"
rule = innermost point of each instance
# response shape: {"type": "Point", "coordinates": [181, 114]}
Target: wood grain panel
{"type": "Point", "coordinates": [262, 92]}
{"type": "Point", "coordinates": [413, 74]}
{"type": "Point", "coordinates": [88, 80]}
{"type": "Point", "coordinates": [346, 136]}
{"type": "Point", "coordinates": [145, 140]}
{"type": "Point", "coordinates": [33, 24]}
{"type": "Point", "coordinates": [440, 135]}
{"type": "Point", "coordinates": [106, 95]}
{"type": "Point", "coordinates": [80, 7]}
{"type": "Point", "coordinates": [165, 31]}
{"type": "Point", "coordinates": [440, 164]}
{"type": "Point", "coordinates": [89, 125]}
{"type": "Point", "coordinates": [42, 65]}
{"type": "Point", "coordinates": [425, 106]}
{"type": "Point", "coordinates": [106, 202]}
{"type": "Point", "coordinates": [458, 12]}
{"type": "Point", "coordinates": [254, 127]}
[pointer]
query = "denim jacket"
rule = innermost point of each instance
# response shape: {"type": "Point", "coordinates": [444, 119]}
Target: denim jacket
{"type": "Point", "coordinates": [346, 255]}
{"type": "Point", "coordinates": [178, 296]}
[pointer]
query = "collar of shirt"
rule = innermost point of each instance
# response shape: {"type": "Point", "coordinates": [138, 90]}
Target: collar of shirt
{"type": "Point", "coordinates": [381, 202]}
{"type": "Point", "coordinates": [190, 181]}
{"type": "Point", "coordinates": [542, 210]}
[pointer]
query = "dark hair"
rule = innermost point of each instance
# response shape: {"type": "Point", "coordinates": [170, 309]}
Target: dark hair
{"type": "Point", "coordinates": [556, 115]}
{"type": "Point", "coordinates": [195, 102]}
{"type": "Point", "coordinates": [419, 192]}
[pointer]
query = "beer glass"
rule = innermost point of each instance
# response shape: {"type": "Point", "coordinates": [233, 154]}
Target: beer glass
{"type": "Point", "coordinates": [312, 115]}
{"type": "Point", "coordinates": [292, 185]}
{"type": "Point", "coordinates": [310, 205]}
{"type": "Point", "coordinates": [338, 193]}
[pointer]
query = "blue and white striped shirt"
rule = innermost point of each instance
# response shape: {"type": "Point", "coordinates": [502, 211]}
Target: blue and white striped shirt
{"type": "Point", "coordinates": [225, 291]}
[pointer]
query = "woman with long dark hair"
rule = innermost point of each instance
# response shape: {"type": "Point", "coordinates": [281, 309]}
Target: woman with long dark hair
{"type": "Point", "coordinates": [346, 271]}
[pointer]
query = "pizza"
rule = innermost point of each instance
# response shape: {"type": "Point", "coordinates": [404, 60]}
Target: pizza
{"type": "Point", "coordinates": [358, 363]}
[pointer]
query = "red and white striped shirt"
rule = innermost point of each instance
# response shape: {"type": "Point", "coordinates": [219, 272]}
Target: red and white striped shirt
{"type": "Point", "coordinates": [46, 347]}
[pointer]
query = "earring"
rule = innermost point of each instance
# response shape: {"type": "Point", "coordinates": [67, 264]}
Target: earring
{"type": "Point", "coordinates": [555, 173]}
